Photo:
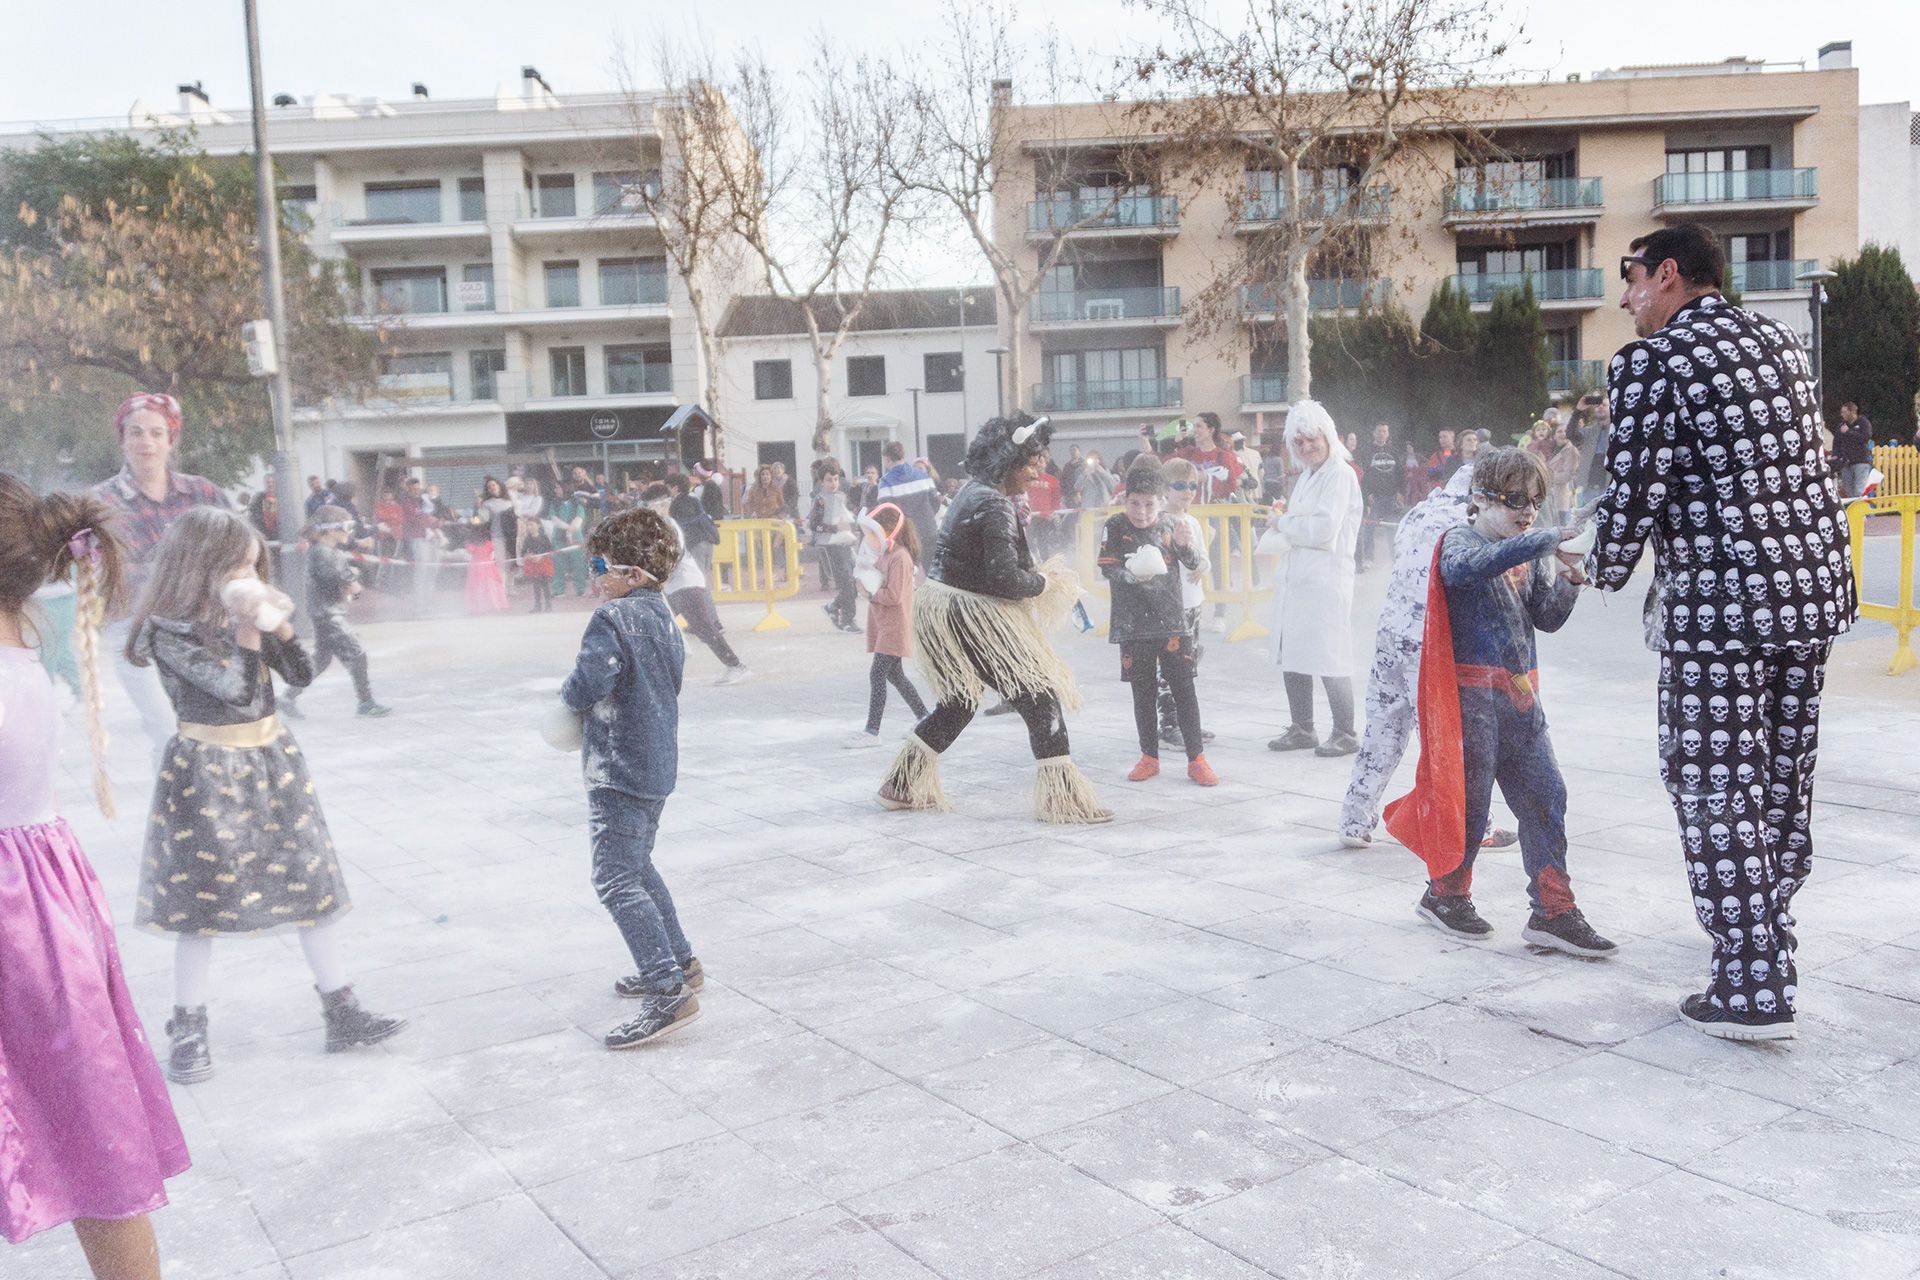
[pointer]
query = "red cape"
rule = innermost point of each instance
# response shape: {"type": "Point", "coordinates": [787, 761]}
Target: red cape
{"type": "Point", "coordinates": [1431, 819]}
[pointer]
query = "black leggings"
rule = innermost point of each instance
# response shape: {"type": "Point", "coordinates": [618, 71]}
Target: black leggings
{"type": "Point", "coordinates": [331, 640]}
{"type": "Point", "coordinates": [695, 604]}
{"type": "Point", "coordinates": [889, 670]}
{"type": "Point", "coordinates": [1178, 676]}
{"type": "Point", "coordinates": [1339, 697]}
{"type": "Point", "coordinates": [1046, 722]}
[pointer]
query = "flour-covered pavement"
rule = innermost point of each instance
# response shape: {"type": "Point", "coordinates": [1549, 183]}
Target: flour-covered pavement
{"type": "Point", "coordinates": [1204, 1042]}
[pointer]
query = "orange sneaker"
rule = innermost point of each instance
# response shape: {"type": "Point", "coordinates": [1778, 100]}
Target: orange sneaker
{"type": "Point", "coordinates": [1201, 772]}
{"type": "Point", "coordinates": [1149, 767]}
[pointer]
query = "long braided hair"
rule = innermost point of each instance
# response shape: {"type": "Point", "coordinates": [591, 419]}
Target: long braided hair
{"type": "Point", "coordinates": [49, 539]}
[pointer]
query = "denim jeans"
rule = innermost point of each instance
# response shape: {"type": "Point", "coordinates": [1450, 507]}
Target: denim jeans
{"type": "Point", "coordinates": [1508, 746]}
{"type": "Point", "coordinates": [623, 829]}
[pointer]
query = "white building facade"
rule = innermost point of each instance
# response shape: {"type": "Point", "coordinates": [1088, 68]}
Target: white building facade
{"type": "Point", "coordinates": [917, 367]}
{"type": "Point", "coordinates": [1890, 179]}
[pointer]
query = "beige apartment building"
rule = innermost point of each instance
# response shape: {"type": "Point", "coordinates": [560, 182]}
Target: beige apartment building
{"type": "Point", "coordinates": [1768, 158]}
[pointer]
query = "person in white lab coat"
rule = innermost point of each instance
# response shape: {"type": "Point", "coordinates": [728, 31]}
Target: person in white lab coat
{"type": "Point", "coordinates": [1315, 536]}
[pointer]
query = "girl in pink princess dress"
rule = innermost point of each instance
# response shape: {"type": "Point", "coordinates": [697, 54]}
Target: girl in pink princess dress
{"type": "Point", "coordinates": [89, 1136]}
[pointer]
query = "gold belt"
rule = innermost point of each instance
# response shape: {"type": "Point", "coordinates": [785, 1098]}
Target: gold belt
{"type": "Point", "coordinates": [257, 733]}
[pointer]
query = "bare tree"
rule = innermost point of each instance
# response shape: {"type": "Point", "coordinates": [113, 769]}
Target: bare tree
{"type": "Point", "coordinates": [1305, 110]}
{"type": "Point", "coordinates": [668, 155]}
{"type": "Point", "coordinates": [962, 92]}
{"type": "Point", "coordinates": [810, 177]}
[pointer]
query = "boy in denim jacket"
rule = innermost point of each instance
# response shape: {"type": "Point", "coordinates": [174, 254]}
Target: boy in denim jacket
{"type": "Point", "coordinates": [626, 687]}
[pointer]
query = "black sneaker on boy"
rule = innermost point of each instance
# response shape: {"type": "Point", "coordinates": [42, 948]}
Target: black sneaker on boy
{"type": "Point", "coordinates": [658, 1018]}
{"type": "Point", "coordinates": [634, 987]}
{"type": "Point", "coordinates": [1454, 915]}
{"type": "Point", "coordinates": [1568, 932]}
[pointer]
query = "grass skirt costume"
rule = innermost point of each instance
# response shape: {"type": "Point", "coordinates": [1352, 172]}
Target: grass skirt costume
{"type": "Point", "coordinates": [86, 1128]}
{"type": "Point", "coordinates": [980, 622]}
{"type": "Point", "coordinates": [236, 843]}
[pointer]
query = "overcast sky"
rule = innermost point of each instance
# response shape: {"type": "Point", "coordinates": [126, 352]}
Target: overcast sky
{"type": "Point", "coordinates": [86, 58]}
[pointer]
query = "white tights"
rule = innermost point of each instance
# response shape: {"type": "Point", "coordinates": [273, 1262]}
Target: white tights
{"type": "Point", "coordinates": [193, 963]}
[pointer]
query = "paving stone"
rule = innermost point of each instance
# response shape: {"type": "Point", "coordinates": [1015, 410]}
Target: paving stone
{"type": "Point", "coordinates": [1042, 1086]}
{"type": "Point", "coordinates": [508, 1239]}
{"type": "Point", "coordinates": [1333, 1096]}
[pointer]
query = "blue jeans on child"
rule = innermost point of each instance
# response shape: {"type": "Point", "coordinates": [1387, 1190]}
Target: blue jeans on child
{"type": "Point", "coordinates": [1506, 745]}
{"type": "Point", "coordinates": [623, 830]}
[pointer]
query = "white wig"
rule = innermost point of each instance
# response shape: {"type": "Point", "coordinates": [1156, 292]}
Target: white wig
{"type": "Point", "coordinates": [1310, 418]}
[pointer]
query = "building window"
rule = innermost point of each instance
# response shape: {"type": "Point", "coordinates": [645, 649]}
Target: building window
{"type": "Point", "coordinates": [556, 195]}
{"type": "Point", "coordinates": [473, 199]}
{"type": "Point", "coordinates": [403, 202]}
{"type": "Point", "coordinates": [411, 290]}
{"type": "Point", "coordinates": [638, 371]}
{"type": "Point", "coordinates": [297, 204]}
{"type": "Point", "coordinates": [476, 287]}
{"type": "Point", "coordinates": [943, 371]}
{"type": "Point", "coordinates": [626, 192]}
{"type": "Point", "coordinates": [568, 368]}
{"type": "Point", "coordinates": [628, 282]}
{"type": "Point", "coordinates": [486, 368]}
{"type": "Point", "coordinates": [1562, 255]}
{"type": "Point", "coordinates": [773, 379]}
{"type": "Point", "coordinates": [563, 284]}
{"type": "Point", "coordinates": [866, 375]}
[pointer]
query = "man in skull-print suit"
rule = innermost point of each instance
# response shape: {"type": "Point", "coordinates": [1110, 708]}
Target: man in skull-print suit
{"type": "Point", "coordinates": [1715, 460]}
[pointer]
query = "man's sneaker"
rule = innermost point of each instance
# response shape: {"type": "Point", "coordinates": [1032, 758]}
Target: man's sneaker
{"type": "Point", "coordinates": [1170, 736]}
{"type": "Point", "coordinates": [1357, 839]}
{"type": "Point", "coordinates": [1294, 739]}
{"type": "Point", "coordinates": [1201, 772]}
{"type": "Point", "coordinates": [1340, 744]}
{"type": "Point", "coordinates": [658, 1018]}
{"type": "Point", "coordinates": [734, 675]}
{"type": "Point", "coordinates": [1149, 767]}
{"type": "Point", "coordinates": [634, 987]}
{"type": "Point", "coordinates": [1724, 1024]}
{"type": "Point", "coordinates": [862, 740]}
{"type": "Point", "coordinates": [374, 709]}
{"type": "Point", "coordinates": [1454, 915]}
{"type": "Point", "coordinates": [1568, 932]}
{"type": "Point", "coordinates": [1500, 838]}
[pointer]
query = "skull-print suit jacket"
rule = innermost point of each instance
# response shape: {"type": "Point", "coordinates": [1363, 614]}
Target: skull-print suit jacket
{"type": "Point", "coordinates": [1715, 460]}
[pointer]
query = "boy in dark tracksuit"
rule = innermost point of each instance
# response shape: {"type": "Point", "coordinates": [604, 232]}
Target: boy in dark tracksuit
{"type": "Point", "coordinates": [1141, 550]}
{"type": "Point", "coordinates": [1494, 583]}
{"type": "Point", "coordinates": [331, 582]}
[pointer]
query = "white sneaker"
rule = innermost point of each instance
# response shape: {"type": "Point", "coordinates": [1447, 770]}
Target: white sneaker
{"type": "Point", "coordinates": [862, 740]}
{"type": "Point", "coordinates": [1357, 841]}
{"type": "Point", "coordinates": [735, 675]}
{"type": "Point", "coordinates": [1220, 625]}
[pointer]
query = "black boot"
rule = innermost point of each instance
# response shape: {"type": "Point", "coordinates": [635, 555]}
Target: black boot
{"type": "Point", "coordinates": [189, 1060]}
{"type": "Point", "coordinates": [348, 1024]}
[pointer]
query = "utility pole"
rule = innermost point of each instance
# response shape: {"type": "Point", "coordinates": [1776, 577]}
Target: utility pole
{"type": "Point", "coordinates": [918, 451]}
{"type": "Point", "coordinates": [1816, 303]}
{"type": "Point", "coordinates": [267, 227]}
{"type": "Point", "coordinates": [999, 383]}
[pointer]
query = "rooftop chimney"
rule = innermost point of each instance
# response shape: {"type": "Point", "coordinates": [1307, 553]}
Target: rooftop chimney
{"type": "Point", "coordinates": [1837, 56]}
{"type": "Point", "coordinates": [193, 98]}
{"type": "Point", "coordinates": [1002, 94]}
{"type": "Point", "coordinates": [419, 90]}
{"type": "Point", "coordinates": [285, 100]}
{"type": "Point", "coordinates": [529, 77]}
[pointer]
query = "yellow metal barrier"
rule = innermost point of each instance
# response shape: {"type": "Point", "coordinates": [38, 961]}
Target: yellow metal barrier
{"type": "Point", "coordinates": [748, 564]}
{"type": "Point", "coordinates": [1902, 615]}
{"type": "Point", "coordinates": [1231, 530]}
{"type": "Point", "coordinates": [1900, 464]}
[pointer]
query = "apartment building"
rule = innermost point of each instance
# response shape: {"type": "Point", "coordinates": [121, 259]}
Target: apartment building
{"type": "Point", "coordinates": [1766, 157]}
{"type": "Point", "coordinates": [918, 366]}
{"type": "Point", "coordinates": [504, 248]}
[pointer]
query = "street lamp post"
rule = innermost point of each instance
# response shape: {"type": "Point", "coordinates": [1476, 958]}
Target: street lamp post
{"type": "Point", "coordinates": [999, 384]}
{"type": "Point", "coordinates": [918, 452]}
{"type": "Point", "coordinates": [267, 230]}
{"type": "Point", "coordinates": [1816, 303]}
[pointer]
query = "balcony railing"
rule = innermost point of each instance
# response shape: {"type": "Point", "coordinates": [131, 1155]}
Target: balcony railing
{"type": "Point", "coordinates": [1565, 377]}
{"type": "Point", "coordinates": [1105, 304]}
{"type": "Point", "coordinates": [1576, 284]}
{"type": "Point", "coordinates": [1102, 213]}
{"type": "Point", "coordinates": [1322, 295]}
{"type": "Point", "coordinates": [1126, 393]}
{"type": "Point", "coordinates": [1529, 195]}
{"type": "Point", "coordinates": [1263, 388]}
{"type": "Point", "coordinates": [1769, 277]}
{"type": "Point", "coordinates": [1736, 186]}
{"type": "Point", "coordinates": [1319, 202]}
